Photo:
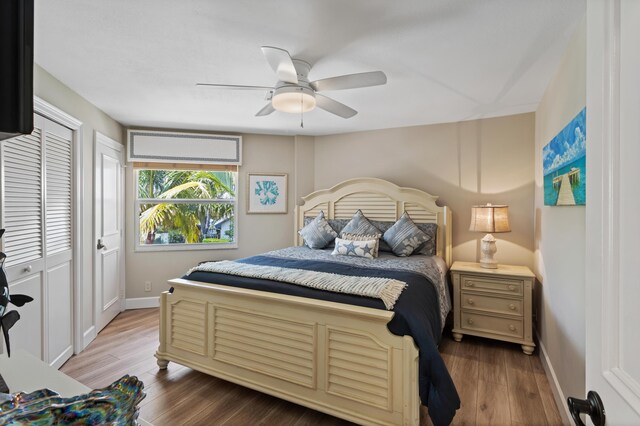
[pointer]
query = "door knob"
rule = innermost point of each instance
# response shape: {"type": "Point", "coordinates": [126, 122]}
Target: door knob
{"type": "Point", "coordinates": [100, 245]}
{"type": "Point", "coordinates": [592, 406]}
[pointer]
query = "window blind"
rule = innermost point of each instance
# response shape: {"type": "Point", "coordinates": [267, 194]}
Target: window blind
{"type": "Point", "coordinates": [183, 147]}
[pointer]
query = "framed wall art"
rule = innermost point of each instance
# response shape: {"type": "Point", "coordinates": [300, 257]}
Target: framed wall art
{"type": "Point", "coordinates": [267, 193]}
{"type": "Point", "coordinates": [564, 165]}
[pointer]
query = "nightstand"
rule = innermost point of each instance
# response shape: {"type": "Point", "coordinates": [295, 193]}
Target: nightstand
{"type": "Point", "coordinates": [494, 303]}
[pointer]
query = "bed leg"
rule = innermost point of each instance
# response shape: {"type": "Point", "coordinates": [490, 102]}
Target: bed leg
{"type": "Point", "coordinates": [162, 363]}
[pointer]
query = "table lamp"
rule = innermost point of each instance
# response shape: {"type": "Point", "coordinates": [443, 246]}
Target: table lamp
{"type": "Point", "coordinates": [489, 219]}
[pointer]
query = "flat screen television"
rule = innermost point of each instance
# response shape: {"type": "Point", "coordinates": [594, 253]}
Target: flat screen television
{"type": "Point", "coordinates": [16, 67]}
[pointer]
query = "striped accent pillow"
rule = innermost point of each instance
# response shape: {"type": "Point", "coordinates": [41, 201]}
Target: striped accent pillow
{"type": "Point", "coordinates": [364, 237]}
{"type": "Point", "coordinates": [404, 237]}
{"type": "Point", "coordinates": [359, 224]}
{"type": "Point", "coordinates": [318, 233]}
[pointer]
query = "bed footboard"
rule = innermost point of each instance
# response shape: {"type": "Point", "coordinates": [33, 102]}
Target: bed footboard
{"type": "Point", "coordinates": [335, 358]}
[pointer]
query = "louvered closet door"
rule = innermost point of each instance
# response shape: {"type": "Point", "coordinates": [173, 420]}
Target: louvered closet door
{"type": "Point", "coordinates": [37, 178]}
{"type": "Point", "coordinates": [58, 249]}
{"type": "Point", "coordinates": [22, 219]}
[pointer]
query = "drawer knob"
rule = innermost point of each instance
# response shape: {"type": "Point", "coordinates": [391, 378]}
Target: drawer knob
{"type": "Point", "coordinates": [27, 269]}
{"type": "Point", "coordinates": [469, 284]}
{"type": "Point", "coordinates": [470, 321]}
{"type": "Point", "coordinates": [512, 307]}
{"type": "Point", "coordinates": [512, 327]}
{"type": "Point", "coordinates": [512, 287]}
{"type": "Point", "coordinates": [470, 301]}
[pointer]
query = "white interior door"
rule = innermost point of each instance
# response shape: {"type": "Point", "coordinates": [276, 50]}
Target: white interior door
{"type": "Point", "coordinates": [109, 259]}
{"type": "Point", "coordinates": [613, 207]}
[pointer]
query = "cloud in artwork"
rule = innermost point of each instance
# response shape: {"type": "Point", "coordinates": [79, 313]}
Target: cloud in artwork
{"type": "Point", "coordinates": [569, 145]}
{"type": "Point", "coordinates": [572, 152]}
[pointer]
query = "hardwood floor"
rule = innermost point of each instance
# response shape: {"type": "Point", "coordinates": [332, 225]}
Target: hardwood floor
{"type": "Point", "coordinates": [497, 383]}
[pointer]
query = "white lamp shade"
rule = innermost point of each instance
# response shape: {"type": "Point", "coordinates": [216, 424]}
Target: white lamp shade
{"type": "Point", "coordinates": [293, 99]}
{"type": "Point", "coordinates": [490, 219]}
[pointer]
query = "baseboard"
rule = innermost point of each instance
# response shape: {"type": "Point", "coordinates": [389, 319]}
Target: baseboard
{"type": "Point", "coordinates": [558, 395]}
{"type": "Point", "coordinates": [88, 336]}
{"type": "Point", "coordinates": [142, 302]}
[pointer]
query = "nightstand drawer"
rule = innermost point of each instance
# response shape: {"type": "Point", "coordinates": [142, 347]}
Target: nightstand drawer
{"type": "Point", "coordinates": [505, 326]}
{"type": "Point", "coordinates": [491, 285]}
{"type": "Point", "coordinates": [491, 304]}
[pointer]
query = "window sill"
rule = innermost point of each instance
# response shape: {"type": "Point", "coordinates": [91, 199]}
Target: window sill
{"type": "Point", "coordinates": [184, 247]}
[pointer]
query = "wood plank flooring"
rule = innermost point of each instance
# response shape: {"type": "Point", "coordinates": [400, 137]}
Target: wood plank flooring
{"type": "Point", "coordinates": [498, 384]}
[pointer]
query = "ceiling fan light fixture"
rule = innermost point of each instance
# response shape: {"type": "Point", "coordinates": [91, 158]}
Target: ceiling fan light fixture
{"type": "Point", "coordinates": [293, 99]}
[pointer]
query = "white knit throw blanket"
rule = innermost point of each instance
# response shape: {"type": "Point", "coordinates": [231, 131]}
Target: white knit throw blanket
{"type": "Point", "coordinates": [385, 289]}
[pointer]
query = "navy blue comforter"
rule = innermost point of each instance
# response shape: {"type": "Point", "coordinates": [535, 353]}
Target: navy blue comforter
{"type": "Point", "coordinates": [416, 315]}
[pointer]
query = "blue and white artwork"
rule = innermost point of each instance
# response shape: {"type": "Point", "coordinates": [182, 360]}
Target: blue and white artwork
{"type": "Point", "coordinates": [267, 193]}
{"type": "Point", "coordinates": [564, 165]}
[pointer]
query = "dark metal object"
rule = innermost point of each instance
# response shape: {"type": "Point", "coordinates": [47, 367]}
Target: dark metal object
{"type": "Point", "coordinates": [8, 318]}
{"type": "Point", "coordinates": [592, 406]}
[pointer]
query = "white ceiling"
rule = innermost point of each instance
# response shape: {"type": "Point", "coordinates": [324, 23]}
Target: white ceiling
{"type": "Point", "coordinates": [445, 60]}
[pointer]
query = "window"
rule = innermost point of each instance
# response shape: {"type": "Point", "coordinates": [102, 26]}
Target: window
{"type": "Point", "coordinates": [185, 209]}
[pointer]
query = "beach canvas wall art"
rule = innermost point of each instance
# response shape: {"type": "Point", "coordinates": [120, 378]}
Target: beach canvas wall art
{"type": "Point", "coordinates": [564, 165]}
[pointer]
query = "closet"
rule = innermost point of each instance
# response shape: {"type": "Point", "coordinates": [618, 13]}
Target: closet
{"type": "Point", "coordinates": [36, 182]}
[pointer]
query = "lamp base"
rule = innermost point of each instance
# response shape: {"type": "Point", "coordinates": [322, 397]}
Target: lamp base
{"type": "Point", "coordinates": [487, 250]}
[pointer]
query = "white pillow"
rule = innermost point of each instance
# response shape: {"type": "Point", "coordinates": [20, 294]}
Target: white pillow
{"type": "Point", "coordinates": [355, 248]}
{"type": "Point", "coordinates": [364, 237]}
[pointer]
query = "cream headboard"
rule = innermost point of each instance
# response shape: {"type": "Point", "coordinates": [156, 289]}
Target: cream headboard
{"type": "Point", "coordinates": [379, 200]}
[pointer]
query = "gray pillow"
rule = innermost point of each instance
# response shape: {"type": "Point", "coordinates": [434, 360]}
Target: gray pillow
{"type": "Point", "coordinates": [318, 233]}
{"type": "Point", "coordinates": [428, 248]}
{"type": "Point", "coordinates": [404, 237]}
{"type": "Point", "coordinates": [359, 224]}
{"type": "Point", "coordinates": [336, 224]}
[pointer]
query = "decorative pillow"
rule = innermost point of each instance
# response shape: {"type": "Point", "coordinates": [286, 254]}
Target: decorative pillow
{"type": "Point", "coordinates": [359, 224]}
{"type": "Point", "coordinates": [404, 237]}
{"type": "Point", "coordinates": [355, 248]}
{"type": "Point", "coordinates": [362, 237]}
{"type": "Point", "coordinates": [428, 248]}
{"type": "Point", "coordinates": [318, 233]}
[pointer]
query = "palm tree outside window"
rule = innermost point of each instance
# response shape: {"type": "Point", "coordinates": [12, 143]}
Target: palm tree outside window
{"type": "Point", "coordinates": [186, 208]}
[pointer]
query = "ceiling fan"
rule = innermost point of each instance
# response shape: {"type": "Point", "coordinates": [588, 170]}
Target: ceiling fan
{"type": "Point", "coordinates": [294, 93]}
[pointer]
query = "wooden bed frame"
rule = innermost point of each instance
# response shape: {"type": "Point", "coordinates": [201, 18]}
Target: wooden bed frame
{"type": "Point", "coordinates": [335, 358]}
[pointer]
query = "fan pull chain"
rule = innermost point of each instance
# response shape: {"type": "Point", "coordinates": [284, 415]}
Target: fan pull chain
{"type": "Point", "coordinates": [301, 112]}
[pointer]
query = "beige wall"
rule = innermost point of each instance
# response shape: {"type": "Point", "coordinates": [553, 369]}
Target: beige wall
{"type": "Point", "coordinates": [466, 163]}
{"type": "Point", "coordinates": [560, 233]}
{"type": "Point", "coordinates": [57, 94]}
{"type": "Point", "coordinates": [304, 167]}
{"type": "Point", "coordinates": [257, 233]}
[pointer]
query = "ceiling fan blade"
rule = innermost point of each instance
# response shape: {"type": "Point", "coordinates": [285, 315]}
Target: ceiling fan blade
{"type": "Point", "coordinates": [334, 107]}
{"type": "Point", "coordinates": [234, 86]}
{"type": "Point", "coordinates": [350, 81]}
{"type": "Point", "coordinates": [281, 62]}
{"type": "Point", "coordinates": [268, 109]}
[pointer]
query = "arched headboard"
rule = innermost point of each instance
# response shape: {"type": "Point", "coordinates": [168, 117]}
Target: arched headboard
{"type": "Point", "coordinates": [379, 200]}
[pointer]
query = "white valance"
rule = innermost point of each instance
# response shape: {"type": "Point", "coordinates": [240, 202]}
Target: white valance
{"type": "Point", "coordinates": [183, 147]}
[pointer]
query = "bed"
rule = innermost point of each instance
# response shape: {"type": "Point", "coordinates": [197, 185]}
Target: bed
{"type": "Point", "coordinates": [321, 352]}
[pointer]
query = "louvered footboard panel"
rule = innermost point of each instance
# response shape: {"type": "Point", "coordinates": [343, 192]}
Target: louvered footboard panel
{"type": "Point", "coordinates": [188, 326]}
{"type": "Point", "coordinates": [266, 344]}
{"type": "Point", "coordinates": [358, 368]}
{"type": "Point", "coordinates": [335, 358]}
